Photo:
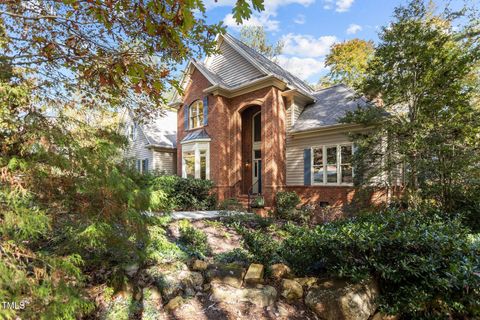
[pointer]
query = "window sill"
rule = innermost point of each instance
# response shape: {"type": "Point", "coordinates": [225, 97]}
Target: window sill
{"type": "Point", "coordinates": [331, 185]}
{"type": "Point", "coordinates": [196, 128]}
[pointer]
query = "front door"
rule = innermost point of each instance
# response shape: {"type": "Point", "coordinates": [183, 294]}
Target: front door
{"type": "Point", "coordinates": [257, 172]}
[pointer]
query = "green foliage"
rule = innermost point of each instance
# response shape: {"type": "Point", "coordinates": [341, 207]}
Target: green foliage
{"type": "Point", "coordinates": [256, 38]}
{"type": "Point", "coordinates": [423, 132]}
{"type": "Point", "coordinates": [348, 61]}
{"type": "Point", "coordinates": [129, 57]}
{"type": "Point", "coordinates": [258, 202]}
{"type": "Point", "coordinates": [287, 202]}
{"type": "Point", "coordinates": [184, 194]}
{"type": "Point", "coordinates": [425, 262]}
{"type": "Point", "coordinates": [160, 249]}
{"type": "Point", "coordinates": [237, 255]}
{"type": "Point", "coordinates": [195, 240]}
{"type": "Point", "coordinates": [261, 245]}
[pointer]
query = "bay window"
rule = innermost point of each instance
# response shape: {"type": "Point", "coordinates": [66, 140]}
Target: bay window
{"type": "Point", "coordinates": [332, 165]}
{"type": "Point", "coordinates": [195, 160]}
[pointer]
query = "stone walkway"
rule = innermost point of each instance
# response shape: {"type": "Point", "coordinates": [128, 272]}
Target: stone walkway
{"type": "Point", "coordinates": [195, 215]}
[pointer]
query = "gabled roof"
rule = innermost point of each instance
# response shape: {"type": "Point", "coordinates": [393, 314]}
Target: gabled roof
{"type": "Point", "coordinates": [267, 65]}
{"type": "Point", "coordinates": [161, 131]}
{"type": "Point", "coordinates": [331, 104]}
{"type": "Point", "coordinates": [256, 68]}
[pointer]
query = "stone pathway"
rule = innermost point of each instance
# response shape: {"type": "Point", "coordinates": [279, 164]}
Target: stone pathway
{"type": "Point", "coordinates": [196, 215]}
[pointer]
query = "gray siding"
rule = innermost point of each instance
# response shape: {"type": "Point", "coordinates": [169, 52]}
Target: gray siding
{"type": "Point", "coordinates": [296, 145]}
{"type": "Point", "coordinates": [165, 162]}
{"type": "Point", "coordinates": [232, 67]}
{"type": "Point", "coordinates": [137, 149]}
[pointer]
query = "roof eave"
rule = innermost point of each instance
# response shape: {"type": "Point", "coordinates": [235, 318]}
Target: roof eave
{"type": "Point", "coordinates": [327, 128]}
{"type": "Point", "coordinates": [256, 84]}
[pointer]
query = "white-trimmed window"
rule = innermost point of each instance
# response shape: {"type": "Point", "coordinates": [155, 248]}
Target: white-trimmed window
{"type": "Point", "coordinates": [332, 165]}
{"type": "Point", "coordinates": [132, 131]}
{"type": "Point", "coordinates": [196, 160]}
{"type": "Point", "coordinates": [195, 116]}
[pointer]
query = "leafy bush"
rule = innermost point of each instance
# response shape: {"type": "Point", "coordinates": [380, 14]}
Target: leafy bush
{"type": "Point", "coordinates": [287, 202]}
{"type": "Point", "coordinates": [261, 246]}
{"type": "Point", "coordinates": [236, 255]}
{"type": "Point", "coordinates": [195, 240]}
{"type": "Point", "coordinates": [184, 194]}
{"type": "Point", "coordinates": [425, 263]}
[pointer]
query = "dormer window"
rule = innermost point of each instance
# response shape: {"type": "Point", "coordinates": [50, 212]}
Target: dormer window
{"type": "Point", "coordinates": [196, 114]}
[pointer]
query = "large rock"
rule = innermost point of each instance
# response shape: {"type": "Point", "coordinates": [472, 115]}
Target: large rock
{"type": "Point", "coordinates": [337, 299]}
{"type": "Point", "coordinates": [280, 270]}
{"type": "Point", "coordinates": [174, 303]}
{"type": "Point", "coordinates": [307, 282]}
{"type": "Point", "coordinates": [254, 274]}
{"type": "Point", "coordinates": [199, 265]}
{"type": "Point", "coordinates": [172, 283]}
{"type": "Point", "coordinates": [261, 296]}
{"type": "Point", "coordinates": [152, 304]}
{"type": "Point", "coordinates": [291, 289]}
{"type": "Point", "coordinates": [231, 274]}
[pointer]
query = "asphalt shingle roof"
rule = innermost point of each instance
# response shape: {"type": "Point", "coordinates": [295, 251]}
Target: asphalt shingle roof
{"type": "Point", "coordinates": [162, 130]}
{"type": "Point", "coordinates": [196, 135]}
{"type": "Point", "coordinates": [331, 104]}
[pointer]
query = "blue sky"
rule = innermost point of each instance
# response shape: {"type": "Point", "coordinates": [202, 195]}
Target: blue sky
{"type": "Point", "coordinates": [309, 27]}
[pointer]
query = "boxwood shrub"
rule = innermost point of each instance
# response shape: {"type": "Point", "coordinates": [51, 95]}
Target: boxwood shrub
{"type": "Point", "coordinates": [184, 194]}
{"type": "Point", "coordinates": [426, 263]}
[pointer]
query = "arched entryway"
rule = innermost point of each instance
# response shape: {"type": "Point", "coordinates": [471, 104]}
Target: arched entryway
{"type": "Point", "coordinates": [252, 149]}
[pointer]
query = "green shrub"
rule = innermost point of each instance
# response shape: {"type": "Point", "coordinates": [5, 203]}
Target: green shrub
{"type": "Point", "coordinates": [194, 240]}
{"type": "Point", "coordinates": [261, 246]}
{"type": "Point", "coordinates": [236, 255]}
{"type": "Point", "coordinates": [185, 194]}
{"type": "Point", "coordinates": [425, 263]}
{"type": "Point", "coordinates": [286, 207]}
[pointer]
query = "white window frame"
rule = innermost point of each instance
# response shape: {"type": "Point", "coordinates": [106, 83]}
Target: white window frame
{"type": "Point", "coordinates": [199, 115]}
{"type": "Point", "coordinates": [197, 147]}
{"type": "Point", "coordinates": [132, 131]}
{"type": "Point", "coordinates": [324, 164]}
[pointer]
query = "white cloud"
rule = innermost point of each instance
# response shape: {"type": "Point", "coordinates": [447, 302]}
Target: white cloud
{"type": "Point", "coordinates": [307, 45]}
{"type": "Point", "coordinates": [354, 28]}
{"type": "Point", "coordinates": [265, 18]}
{"type": "Point", "coordinates": [340, 5]}
{"type": "Point", "coordinates": [343, 5]}
{"type": "Point", "coordinates": [300, 19]}
{"type": "Point", "coordinates": [301, 67]}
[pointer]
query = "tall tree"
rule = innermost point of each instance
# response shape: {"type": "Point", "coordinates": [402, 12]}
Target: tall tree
{"type": "Point", "coordinates": [109, 52]}
{"type": "Point", "coordinates": [256, 37]}
{"type": "Point", "coordinates": [428, 122]}
{"type": "Point", "coordinates": [348, 62]}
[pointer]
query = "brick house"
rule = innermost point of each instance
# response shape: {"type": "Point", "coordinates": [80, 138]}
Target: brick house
{"type": "Point", "coordinates": [252, 127]}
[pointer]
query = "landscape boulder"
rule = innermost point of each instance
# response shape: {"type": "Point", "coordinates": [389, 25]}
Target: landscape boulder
{"type": "Point", "coordinates": [307, 282]}
{"type": "Point", "coordinates": [254, 274]}
{"type": "Point", "coordinates": [280, 270]}
{"type": "Point", "coordinates": [172, 283]}
{"type": "Point", "coordinates": [231, 274]}
{"type": "Point", "coordinates": [337, 299]}
{"type": "Point", "coordinates": [261, 296]}
{"type": "Point", "coordinates": [199, 265]}
{"type": "Point", "coordinates": [291, 289]}
{"type": "Point", "coordinates": [174, 303]}
{"type": "Point", "coordinates": [152, 304]}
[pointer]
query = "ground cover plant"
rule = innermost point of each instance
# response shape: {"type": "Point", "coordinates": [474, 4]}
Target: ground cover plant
{"type": "Point", "coordinates": [425, 263]}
